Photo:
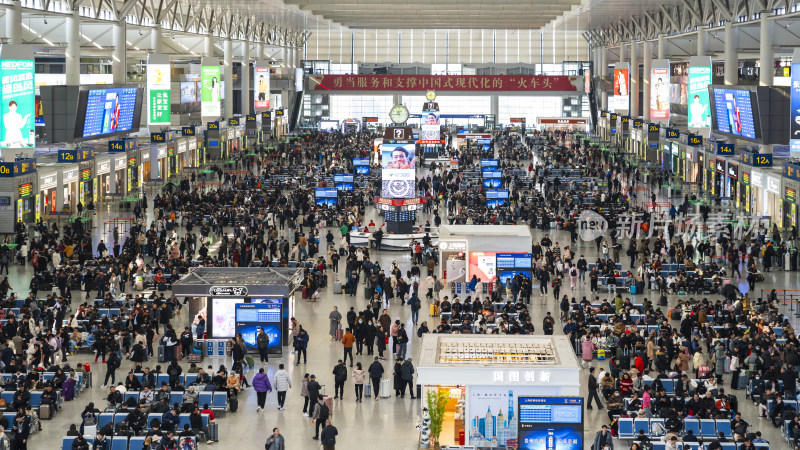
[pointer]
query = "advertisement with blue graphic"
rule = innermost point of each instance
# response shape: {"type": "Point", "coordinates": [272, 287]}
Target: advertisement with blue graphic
{"type": "Point", "coordinates": [794, 114]}
{"type": "Point", "coordinates": [253, 317]}
{"type": "Point", "coordinates": [510, 265]}
{"type": "Point", "coordinates": [550, 423]}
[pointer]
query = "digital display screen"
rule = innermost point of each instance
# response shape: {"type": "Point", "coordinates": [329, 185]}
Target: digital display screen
{"type": "Point", "coordinates": [550, 423]}
{"type": "Point", "coordinates": [325, 193]}
{"type": "Point", "coordinates": [497, 193]}
{"type": "Point", "coordinates": [326, 201]}
{"type": "Point", "coordinates": [223, 310]}
{"type": "Point", "coordinates": [514, 261]}
{"type": "Point", "coordinates": [495, 203]}
{"type": "Point", "coordinates": [505, 276]}
{"type": "Point", "coordinates": [108, 111]}
{"type": "Point", "coordinates": [398, 177]}
{"type": "Point", "coordinates": [699, 111]}
{"type": "Point", "coordinates": [483, 265]}
{"type": "Point", "coordinates": [344, 186]}
{"type": "Point", "coordinates": [361, 161]}
{"type": "Point", "coordinates": [361, 170]}
{"type": "Point", "coordinates": [488, 162]}
{"type": "Point", "coordinates": [328, 125]}
{"type": "Point", "coordinates": [493, 183]}
{"type": "Point", "coordinates": [734, 113]}
{"type": "Point", "coordinates": [342, 178]}
{"type": "Point", "coordinates": [253, 317]}
{"type": "Point", "coordinates": [492, 174]}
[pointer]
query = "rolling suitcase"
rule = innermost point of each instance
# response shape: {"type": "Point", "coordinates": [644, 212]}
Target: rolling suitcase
{"type": "Point", "coordinates": [162, 354]}
{"type": "Point", "coordinates": [213, 432]}
{"type": "Point", "coordinates": [434, 310]}
{"type": "Point", "coordinates": [45, 411]}
{"type": "Point", "coordinates": [601, 354]}
{"type": "Point", "coordinates": [367, 390]}
{"type": "Point", "coordinates": [328, 401]}
{"type": "Point", "coordinates": [386, 388]}
{"type": "Point", "coordinates": [339, 333]}
{"type": "Point", "coordinates": [337, 287]}
{"type": "Point", "coordinates": [233, 404]}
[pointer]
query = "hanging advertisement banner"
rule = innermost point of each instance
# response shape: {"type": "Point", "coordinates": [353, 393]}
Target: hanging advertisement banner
{"type": "Point", "coordinates": [398, 161]}
{"type": "Point", "coordinates": [261, 86]}
{"type": "Point", "coordinates": [158, 90]}
{"type": "Point", "coordinates": [794, 114]}
{"type": "Point", "coordinates": [18, 103]}
{"type": "Point", "coordinates": [621, 91]}
{"type": "Point", "coordinates": [699, 79]}
{"type": "Point", "coordinates": [210, 95]}
{"type": "Point", "coordinates": [659, 93]}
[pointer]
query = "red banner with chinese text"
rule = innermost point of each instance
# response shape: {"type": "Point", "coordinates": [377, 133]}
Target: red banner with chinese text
{"type": "Point", "coordinates": [517, 83]}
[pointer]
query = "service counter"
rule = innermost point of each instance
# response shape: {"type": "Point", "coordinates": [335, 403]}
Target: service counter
{"type": "Point", "coordinates": [390, 241]}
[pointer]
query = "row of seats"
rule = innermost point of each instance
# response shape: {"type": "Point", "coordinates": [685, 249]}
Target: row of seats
{"type": "Point", "coordinates": [654, 428]}
{"type": "Point", "coordinates": [115, 418]}
{"type": "Point", "coordinates": [696, 446]}
{"type": "Point", "coordinates": [117, 442]}
{"type": "Point", "coordinates": [217, 400]}
{"type": "Point", "coordinates": [186, 379]}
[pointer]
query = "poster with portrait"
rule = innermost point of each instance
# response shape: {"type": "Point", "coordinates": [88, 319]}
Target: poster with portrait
{"type": "Point", "coordinates": [699, 107]}
{"type": "Point", "coordinates": [430, 130]}
{"type": "Point", "coordinates": [210, 93]}
{"type": "Point", "coordinates": [18, 106]}
{"type": "Point", "coordinates": [261, 87]}
{"type": "Point", "coordinates": [794, 113]}
{"type": "Point", "coordinates": [659, 93]}
{"type": "Point", "coordinates": [398, 174]}
{"type": "Point", "coordinates": [621, 90]}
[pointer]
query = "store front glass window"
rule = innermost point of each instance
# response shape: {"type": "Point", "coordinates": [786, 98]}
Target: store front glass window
{"type": "Point", "coordinates": [530, 108]}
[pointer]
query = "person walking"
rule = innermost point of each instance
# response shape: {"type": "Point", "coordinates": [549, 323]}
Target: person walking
{"type": "Point", "coordinates": [359, 378]}
{"type": "Point", "coordinates": [262, 341]}
{"type": "Point", "coordinates": [407, 375]}
{"type": "Point", "coordinates": [320, 416]}
{"type": "Point", "coordinates": [283, 382]}
{"type": "Point", "coordinates": [112, 364]}
{"type": "Point", "coordinates": [593, 386]}
{"type": "Point", "coordinates": [275, 441]}
{"type": "Point", "coordinates": [347, 341]}
{"type": "Point", "coordinates": [262, 387]}
{"type": "Point", "coordinates": [313, 387]}
{"type": "Point", "coordinates": [301, 344]}
{"type": "Point", "coordinates": [415, 304]}
{"type": "Point", "coordinates": [375, 371]}
{"type": "Point", "coordinates": [339, 377]}
{"type": "Point", "coordinates": [304, 394]}
{"type": "Point", "coordinates": [402, 341]}
{"type": "Point", "coordinates": [329, 436]}
{"type": "Point", "coordinates": [335, 318]}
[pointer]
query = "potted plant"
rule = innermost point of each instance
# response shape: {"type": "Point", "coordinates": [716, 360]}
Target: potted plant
{"type": "Point", "coordinates": [437, 401]}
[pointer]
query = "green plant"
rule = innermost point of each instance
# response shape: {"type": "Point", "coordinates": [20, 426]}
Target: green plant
{"type": "Point", "coordinates": [437, 401]}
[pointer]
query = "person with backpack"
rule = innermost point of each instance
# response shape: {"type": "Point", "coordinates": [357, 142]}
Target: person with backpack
{"type": "Point", "coordinates": [415, 305]}
{"type": "Point", "coordinates": [112, 364]}
{"type": "Point", "coordinates": [275, 441]}
{"type": "Point", "coordinates": [320, 416]}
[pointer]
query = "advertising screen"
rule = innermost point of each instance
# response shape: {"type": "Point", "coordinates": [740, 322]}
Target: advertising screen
{"type": "Point", "coordinates": [342, 178]}
{"type": "Point", "coordinates": [158, 94]}
{"type": "Point", "coordinates": [492, 183]}
{"type": "Point", "coordinates": [261, 80]}
{"type": "Point", "coordinates": [223, 310]}
{"type": "Point", "coordinates": [18, 104]}
{"type": "Point", "coordinates": [483, 265]}
{"type": "Point", "coordinates": [430, 129]}
{"type": "Point", "coordinates": [326, 196]}
{"type": "Point", "coordinates": [489, 162]}
{"type": "Point", "coordinates": [344, 186]}
{"type": "Point", "coordinates": [699, 109]}
{"type": "Point", "coordinates": [587, 80]}
{"type": "Point", "coordinates": [621, 92]}
{"type": "Point", "coordinates": [794, 112]}
{"type": "Point", "coordinates": [550, 423]}
{"type": "Point", "coordinates": [511, 264]}
{"type": "Point", "coordinates": [733, 110]}
{"type": "Point", "coordinates": [659, 93]}
{"type": "Point", "coordinates": [103, 112]}
{"type": "Point", "coordinates": [492, 174]}
{"type": "Point", "coordinates": [398, 175]}
{"type": "Point", "coordinates": [328, 125]}
{"type": "Point", "coordinates": [361, 166]}
{"type": "Point", "coordinates": [496, 197]}
{"type": "Point", "coordinates": [210, 91]}
{"type": "Point", "coordinates": [253, 317]}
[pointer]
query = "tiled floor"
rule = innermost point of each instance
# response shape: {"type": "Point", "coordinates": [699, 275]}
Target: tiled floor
{"type": "Point", "coordinates": [386, 424]}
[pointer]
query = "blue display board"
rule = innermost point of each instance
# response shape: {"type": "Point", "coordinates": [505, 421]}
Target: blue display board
{"type": "Point", "coordinates": [488, 162]}
{"type": "Point", "coordinates": [510, 265]}
{"type": "Point", "coordinates": [326, 196]}
{"type": "Point", "coordinates": [492, 183]}
{"type": "Point", "coordinates": [361, 166]}
{"type": "Point", "coordinates": [734, 113]}
{"type": "Point", "coordinates": [344, 186]}
{"type": "Point", "coordinates": [492, 173]}
{"type": "Point", "coordinates": [547, 423]}
{"type": "Point", "coordinates": [496, 197]}
{"type": "Point", "coordinates": [252, 317]}
{"type": "Point", "coordinates": [110, 111]}
{"type": "Point", "coordinates": [342, 178]}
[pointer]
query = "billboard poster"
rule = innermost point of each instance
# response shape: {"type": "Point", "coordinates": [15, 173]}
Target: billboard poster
{"type": "Point", "coordinates": [430, 130]}
{"type": "Point", "coordinates": [550, 423]}
{"type": "Point", "coordinates": [18, 104]}
{"type": "Point", "coordinates": [483, 265]}
{"type": "Point", "coordinates": [621, 92]}
{"type": "Point", "coordinates": [794, 115]}
{"type": "Point", "coordinates": [699, 110]}
{"type": "Point", "coordinates": [251, 318]}
{"type": "Point", "coordinates": [261, 76]}
{"type": "Point", "coordinates": [210, 94]}
{"type": "Point", "coordinates": [587, 80]}
{"type": "Point", "coordinates": [398, 174]}
{"type": "Point", "coordinates": [158, 97]}
{"type": "Point", "coordinates": [659, 93]}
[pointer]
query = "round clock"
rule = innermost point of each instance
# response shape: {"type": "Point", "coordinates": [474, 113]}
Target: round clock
{"type": "Point", "coordinates": [430, 95]}
{"type": "Point", "coordinates": [399, 114]}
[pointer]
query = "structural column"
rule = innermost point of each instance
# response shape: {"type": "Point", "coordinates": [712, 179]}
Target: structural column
{"type": "Point", "coordinates": [647, 59]}
{"type": "Point", "coordinates": [661, 50]}
{"type": "Point", "coordinates": [208, 45]}
{"type": "Point", "coordinates": [259, 51]}
{"type": "Point", "coordinates": [701, 41]}
{"type": "Point", "coordinates": [494, 107]}
{"type": "Point", "coordinates": [766, 59]}
{"type": "Point", "coordinates": [155, 39]}
{"type": "Point", "coordinates": [228, 77]}
{"type": "Point", "coordinates": [14, 21]}
{"type": "Point", "coordinates": [731, 54]}
{"type": "Point", "coordinates": [603, 74]}
{"type": "Point", "coordinates": [246, 107]}
{"type": "Point", "coordinates": [634, 80]}
{"type": "Point", "coordinates": [73, 50]}
{"type": "Point", "coordinates": [119, 56]}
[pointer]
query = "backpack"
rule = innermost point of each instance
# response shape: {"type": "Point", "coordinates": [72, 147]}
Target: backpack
{"type": "Point", "coordinates": [187, 444]}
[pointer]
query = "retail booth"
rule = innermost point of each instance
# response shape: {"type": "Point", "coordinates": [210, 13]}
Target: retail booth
{"type": "Point", "coordinates": [505, 391]}
{"type": "Point", "coordinates": [487, 251]}
{"type": "Point", "coordinates": [18, 188]}
{"type": "Point", "coordinates": [242, 300]}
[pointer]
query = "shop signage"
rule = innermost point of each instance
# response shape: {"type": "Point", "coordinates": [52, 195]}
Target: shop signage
{"type": "Point", "coordinates": [25, 190]}
{"type": "Point", "coordinates": [104, 167]}
{"type": "Point", "coordinates": [13, 169]}
{"type": "Point", "coordinates": [791, 171]}
{"type": "Point", "coordinates": [119, 164]}
{"type": "Point", "coordinates": [227, 290]}
{"type": "Point", "coordinates": [447, 83]}
{"type": "Point", "coordinates": [745, 178]}
{"type": "Point", "coordinates": [756, 159]}
{"type": "Point", "coordinates": [653, 128]}
{"type": "Point", "coordinates": [790, 195]}
{"type": "Point", "coordinates": [733, 170]}
{"type": "Point", "coordinates": [720, 165]}
{"type": "Point", "coordinates": [233, 122]}
{"type": "Point", "coordinates": [86, 174]}
{"type": "Point", "coordinates": [70, 176]}
{"type": "Point", "coordinates": [48, 181]}
{"type": "Point", "coordinates": [188, 131]}
{"type": "Point", "coordinates": [637, 123]}
{"type": "Point", "coordinates": [453, 246]}
{"type": "Point", "coordinates": [369, 119]}
{"type": "Point", "coordinates": [671, 133]}
{"type": "Point", "coordinates": [521, 376]}
{"type": "Point", "coordinates": [756, 179]}
{"type": "Point", "coordinates": [518, 120]}
{"type": "Point", "coordinates": [773, 185]}
{"type": "Point", "coordinates": [723, 148]}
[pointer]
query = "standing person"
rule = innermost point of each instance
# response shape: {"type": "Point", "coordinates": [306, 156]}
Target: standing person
{"type": "Point", "coordinates": [359, 378]}
{"type": "Point", "coordinates": [397, 381]}
{"type": "Point", "coordinates": [415, 305]}
{"type": "Point", "coordinates": [320, 415]}
{"type": "Point", "coordinates": [301, 344]}
{"type": "Point", "coordinates": [603, 438]}
{"type": "Point", "coordinates": [112, 364]}
{"type": "Point", "coordinates": [329, 436]}
{"type": "Point", "coordinates": [548, 323]}
{"type": "Point", "coordinates": [407, 374]}
{"type": "Point", "coordinates": [347, 342]}
{"type": "Point", "coordinates": [275, 441]}
{"type": "Point", "coordinates": [339, 377]}
{"type": "Point", "coordinates": [262, 340]}
{"type": "Point", "coordinates": [283, 382]}
{"type": "Point", "coordinates": [375, 371]}
{"type": "Point", "coordinates": [593, 385]}
{"type": "Point", "coordinates": [262, 387]}
{"type": "Point", "coordinates": [313, 388]}
{"type": "Point", "coordinates": [304, 394]}
{"type": "Point", "coordinates": [21, 431]}
{"type": "Point", "coordinates": [402, 341]}
{"type": "Point", "coordinates": [335, 318]}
